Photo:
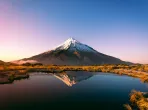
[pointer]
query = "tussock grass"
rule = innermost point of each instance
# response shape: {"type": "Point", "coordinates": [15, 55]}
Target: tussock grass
{"type": "Point", "coordinates": [138, 100]}
{"type": "Point", "coordinates": [127, 107]}
{"type": "Point", "coordinates": [137, 71]}
{"type": "Point", "coordinates": [9, 73]}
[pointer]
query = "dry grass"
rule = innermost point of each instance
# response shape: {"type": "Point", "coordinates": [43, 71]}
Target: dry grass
{"type": "Point", "coordinates": [127, 107]}
{"type": "Point", "coordinates": [133, 70]}
{"type": "Point", "coordinates": [143, 76]}
{"type": "Point", "coordinates": [138, 100]}
{"type": "Point", "coordinates": [15, 72]}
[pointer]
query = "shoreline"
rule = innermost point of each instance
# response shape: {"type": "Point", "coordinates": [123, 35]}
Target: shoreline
{"type": "Point", "coordinates": [21, 72]}
{"type": "Point", "coordinates": [11, 73]}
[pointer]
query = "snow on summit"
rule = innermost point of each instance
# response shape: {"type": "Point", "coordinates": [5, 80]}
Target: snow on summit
{"type": "Point", "coordinates": [72, 52]}
{"type": "Point", "coordinates": [72, 44]}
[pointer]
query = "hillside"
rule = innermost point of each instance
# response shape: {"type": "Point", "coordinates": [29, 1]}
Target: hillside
{"type": "Point", "coordinates": [72, 52]}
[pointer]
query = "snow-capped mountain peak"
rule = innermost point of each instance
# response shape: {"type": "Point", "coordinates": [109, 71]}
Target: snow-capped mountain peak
{"type": "Point", "coordinates": [71, 40]}
{"type": "Point", "coordinates": [72, 44]}
{"type": "Point", "coordinates": [72, 52]}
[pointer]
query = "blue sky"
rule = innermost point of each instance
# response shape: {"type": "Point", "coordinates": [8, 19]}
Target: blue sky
{"type": "Point", "coordinates": [114, 27]}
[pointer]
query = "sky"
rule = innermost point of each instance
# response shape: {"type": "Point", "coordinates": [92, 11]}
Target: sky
{"type": "Point", "coordinates": [114, 27]}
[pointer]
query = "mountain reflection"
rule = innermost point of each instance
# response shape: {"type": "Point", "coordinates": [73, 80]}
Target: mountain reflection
{"type": "Point", "coordinates": [69, 78]}
{"type": "Point", "coordinates": [72, 77]}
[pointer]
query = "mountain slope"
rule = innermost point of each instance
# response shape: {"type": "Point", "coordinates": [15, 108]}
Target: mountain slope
{"type": "Point", "coordinates": [1, 61]}
{"type": "Point", "coordinates": [72, 52]}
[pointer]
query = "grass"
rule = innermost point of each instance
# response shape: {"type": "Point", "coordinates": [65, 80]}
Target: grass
{"type": "Point", "coordinates": [9, 73]}
{"type": "Point", "coordinates": [139, 100]}
{"type": "Point", "coordinates": [9, 76]}
{"type": "Point", "coordinates": [127, 107]}
{"type": "Point", "coordinates": [18, 71]}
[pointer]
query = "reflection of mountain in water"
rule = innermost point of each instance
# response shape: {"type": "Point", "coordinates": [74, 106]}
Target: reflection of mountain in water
{"type": "Point", "coordinates": [71, 77]}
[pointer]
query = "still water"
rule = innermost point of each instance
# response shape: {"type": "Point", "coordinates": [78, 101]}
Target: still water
{"type": "Point", "coordinates": [70, 90]}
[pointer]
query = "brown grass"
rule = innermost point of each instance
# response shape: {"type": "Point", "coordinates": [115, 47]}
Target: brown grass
{"type": "Point", "coordinates": [127, 107]}
{"type": "Point", "coordinates": [132, 70]}
{"type": "Point", "coordinates": [9, 73]}
{"type": "Point", "coordinates": [138, 100]}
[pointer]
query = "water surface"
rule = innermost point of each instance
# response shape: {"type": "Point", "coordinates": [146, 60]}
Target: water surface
{"type": "Point", "coordinates": [69, 90]}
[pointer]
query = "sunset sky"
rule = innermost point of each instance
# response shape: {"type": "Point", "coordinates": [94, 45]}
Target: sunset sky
{"type": "Point", "coordinates": [114, 27]}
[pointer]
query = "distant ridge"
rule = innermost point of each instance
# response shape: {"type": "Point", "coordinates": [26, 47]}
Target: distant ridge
{"type": "Point", "coordinates": [1, 61]}
{"type": "Point", "coordinates": [72, 52]}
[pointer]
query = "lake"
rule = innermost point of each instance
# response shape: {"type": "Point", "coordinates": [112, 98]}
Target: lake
{"type": "Point", "coordinates": [70, 90]}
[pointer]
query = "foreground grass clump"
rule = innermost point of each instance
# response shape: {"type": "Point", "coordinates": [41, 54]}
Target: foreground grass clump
{"type": "Point", "coordinates": [128, 107]}
{"type": "Point", "coordinates": [137, 98]}
{"type": "Point", "coordinates": [139, 101]}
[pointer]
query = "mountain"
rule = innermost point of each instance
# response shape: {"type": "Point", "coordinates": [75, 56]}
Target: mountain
{"type": "Point", "coordinates": [7, 63]}
{"type": "Point", "coordinates": [70, 77]}
{"type": "Point", "coordinates": [72, 52]}
{"type": "Point", "coordinates": [1, 62]}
